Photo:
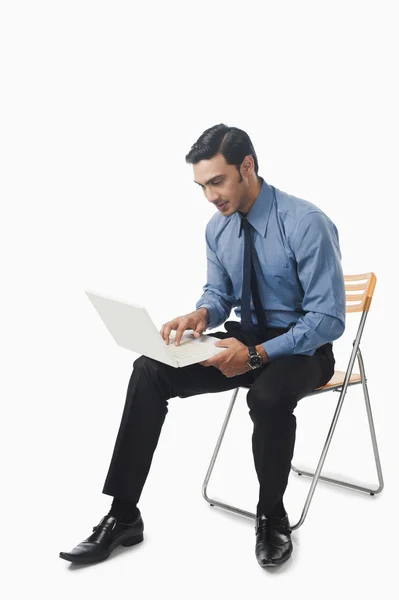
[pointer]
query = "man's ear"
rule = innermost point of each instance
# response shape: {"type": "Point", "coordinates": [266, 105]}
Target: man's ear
{"type": "Point", "coordinates": [247, 165]}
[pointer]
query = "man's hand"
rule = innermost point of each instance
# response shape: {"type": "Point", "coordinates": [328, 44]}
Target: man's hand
{"type": "Point", "coordinates": [233, 361]}
{"type": "Point", "coordinates": [230, 362]}
{"type": "Point", "coordinates": [197, 320]}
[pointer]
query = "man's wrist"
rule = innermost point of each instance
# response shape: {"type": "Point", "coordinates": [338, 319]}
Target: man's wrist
{"type": "Point", "coordinates": [260, 349]}
{"type": "Point", "coordinates": [205, 312]}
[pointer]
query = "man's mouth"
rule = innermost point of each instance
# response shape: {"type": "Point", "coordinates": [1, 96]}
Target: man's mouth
{"type": "Point", "coordinates": [222, 205]}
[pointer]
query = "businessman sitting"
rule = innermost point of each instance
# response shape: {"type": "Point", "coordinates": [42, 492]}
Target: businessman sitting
{"type": "Point", "coordinates": [276, 258]}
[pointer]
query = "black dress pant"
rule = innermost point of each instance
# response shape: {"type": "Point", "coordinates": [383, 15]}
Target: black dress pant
{"type": "Point", "coordinates": [276, 389]}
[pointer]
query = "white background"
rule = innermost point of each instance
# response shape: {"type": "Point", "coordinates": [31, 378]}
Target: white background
{"type": "Point", "coordinates": [100, 102]}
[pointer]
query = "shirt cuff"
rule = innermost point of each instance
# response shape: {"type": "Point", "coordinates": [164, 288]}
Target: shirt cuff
{"type": "Point", "coordinates": [278, 346]}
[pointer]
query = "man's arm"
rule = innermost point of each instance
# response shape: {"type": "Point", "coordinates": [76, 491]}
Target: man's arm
{"type": "Point", "coordinates": [316, 248]}
{"type": "Point", "coordinates": [218, 297]}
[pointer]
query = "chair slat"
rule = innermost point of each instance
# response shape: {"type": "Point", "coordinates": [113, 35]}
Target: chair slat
{"type": "Point", "coordinates": [353, 297]}
{"type": "Point", "coordinates": [364, 299]}
{"type": "Point", "coordinates": [355, 286]}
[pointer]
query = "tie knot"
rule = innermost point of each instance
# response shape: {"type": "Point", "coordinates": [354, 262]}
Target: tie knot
{"type": "Point", "coordinates": [246, 225]}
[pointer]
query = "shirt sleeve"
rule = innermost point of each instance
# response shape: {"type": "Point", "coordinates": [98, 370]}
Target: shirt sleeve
{"type": "Point", "coordinates": [218, 296]}
{"type": "Point", "coordinates": [315, 244]}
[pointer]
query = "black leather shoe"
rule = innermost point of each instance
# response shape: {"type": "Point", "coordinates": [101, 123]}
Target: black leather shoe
{"type": "Point", "coordinates": [273, 540]}
{"type": "Point", "coordinates": [108, 534]}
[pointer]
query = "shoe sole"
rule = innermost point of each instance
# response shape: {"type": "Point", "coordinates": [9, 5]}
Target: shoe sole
{"type": "Point", "coordinates": [88, 561]}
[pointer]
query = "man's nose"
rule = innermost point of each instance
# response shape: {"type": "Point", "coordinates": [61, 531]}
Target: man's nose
{"type": "Point", "coordinates": [212, 196]}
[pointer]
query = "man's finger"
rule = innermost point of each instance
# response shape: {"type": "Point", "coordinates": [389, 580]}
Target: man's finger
{"type": "Point", "coordinates": [199, 330]}
{"type": "Point", "coordinates": [168, 329]}
{"type": "Point", "coordinates": [206, 363]}
{"type": "Point", "coordinates": [225, 341]}
{"type": "Point", "coordinates": [165, 334]}
{"type": "Point", "coordinates": [179, 333]}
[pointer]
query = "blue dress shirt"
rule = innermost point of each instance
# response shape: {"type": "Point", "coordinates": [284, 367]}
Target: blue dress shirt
{"type": "Point", "coordinates": [298, 267]}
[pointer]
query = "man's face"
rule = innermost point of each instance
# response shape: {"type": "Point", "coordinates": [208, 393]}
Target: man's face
{"type": "Point", "coordinates": [221, 184]}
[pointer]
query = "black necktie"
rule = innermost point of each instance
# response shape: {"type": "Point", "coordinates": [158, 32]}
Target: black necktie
{"type": "Point", "coordinates": [249, 285]}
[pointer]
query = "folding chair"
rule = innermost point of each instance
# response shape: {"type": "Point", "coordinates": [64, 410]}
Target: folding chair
{"type": "Point", "coordinates": [363, 285]}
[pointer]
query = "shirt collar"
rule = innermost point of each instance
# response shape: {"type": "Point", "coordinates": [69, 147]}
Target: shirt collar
{"type": "Point", "coordinates": [259, 213]}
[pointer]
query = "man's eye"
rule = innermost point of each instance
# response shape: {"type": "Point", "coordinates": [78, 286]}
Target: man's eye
{"type": "Point", "coordinates": [216, 182]}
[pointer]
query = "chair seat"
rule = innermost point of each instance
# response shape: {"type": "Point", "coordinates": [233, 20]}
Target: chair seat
{"type": "Point", "coordinates": [336, 379]}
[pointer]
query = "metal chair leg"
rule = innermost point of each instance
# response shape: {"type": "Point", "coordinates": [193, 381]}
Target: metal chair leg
{"type": "Point", "coordinates": [212, 501]}
{"type": "Point", "coordinates": [371, 491]}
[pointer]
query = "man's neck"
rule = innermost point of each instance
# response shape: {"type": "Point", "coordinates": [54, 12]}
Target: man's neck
{"type": "Point", "coordinates": [253, 194]}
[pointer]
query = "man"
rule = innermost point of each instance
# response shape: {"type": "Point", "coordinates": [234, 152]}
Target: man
{"type": "Point", "coordinates": [283, 252]}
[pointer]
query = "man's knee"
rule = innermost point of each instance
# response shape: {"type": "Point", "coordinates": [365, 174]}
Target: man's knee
{"type": "Point", "coordinates": [140, 362]}
{"type": "Point", "coordinates": [271, 400]}
{"type": "Point", "coordinates": [153, 369]}
{"type": "Point", "coordinates": [153, 374]}
{"type": "Point", "coordinates": [146, 362]}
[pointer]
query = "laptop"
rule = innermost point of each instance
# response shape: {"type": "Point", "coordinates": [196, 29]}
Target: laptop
{"type": "Point", "coordinates": [132, 327]}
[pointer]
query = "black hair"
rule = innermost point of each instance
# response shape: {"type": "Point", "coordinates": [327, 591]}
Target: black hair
{"type": "Point", "coordinates": [233, 143]}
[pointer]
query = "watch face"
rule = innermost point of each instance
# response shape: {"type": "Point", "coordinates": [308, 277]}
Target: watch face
{"type": "Point", "coordinates": [255, 361]}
